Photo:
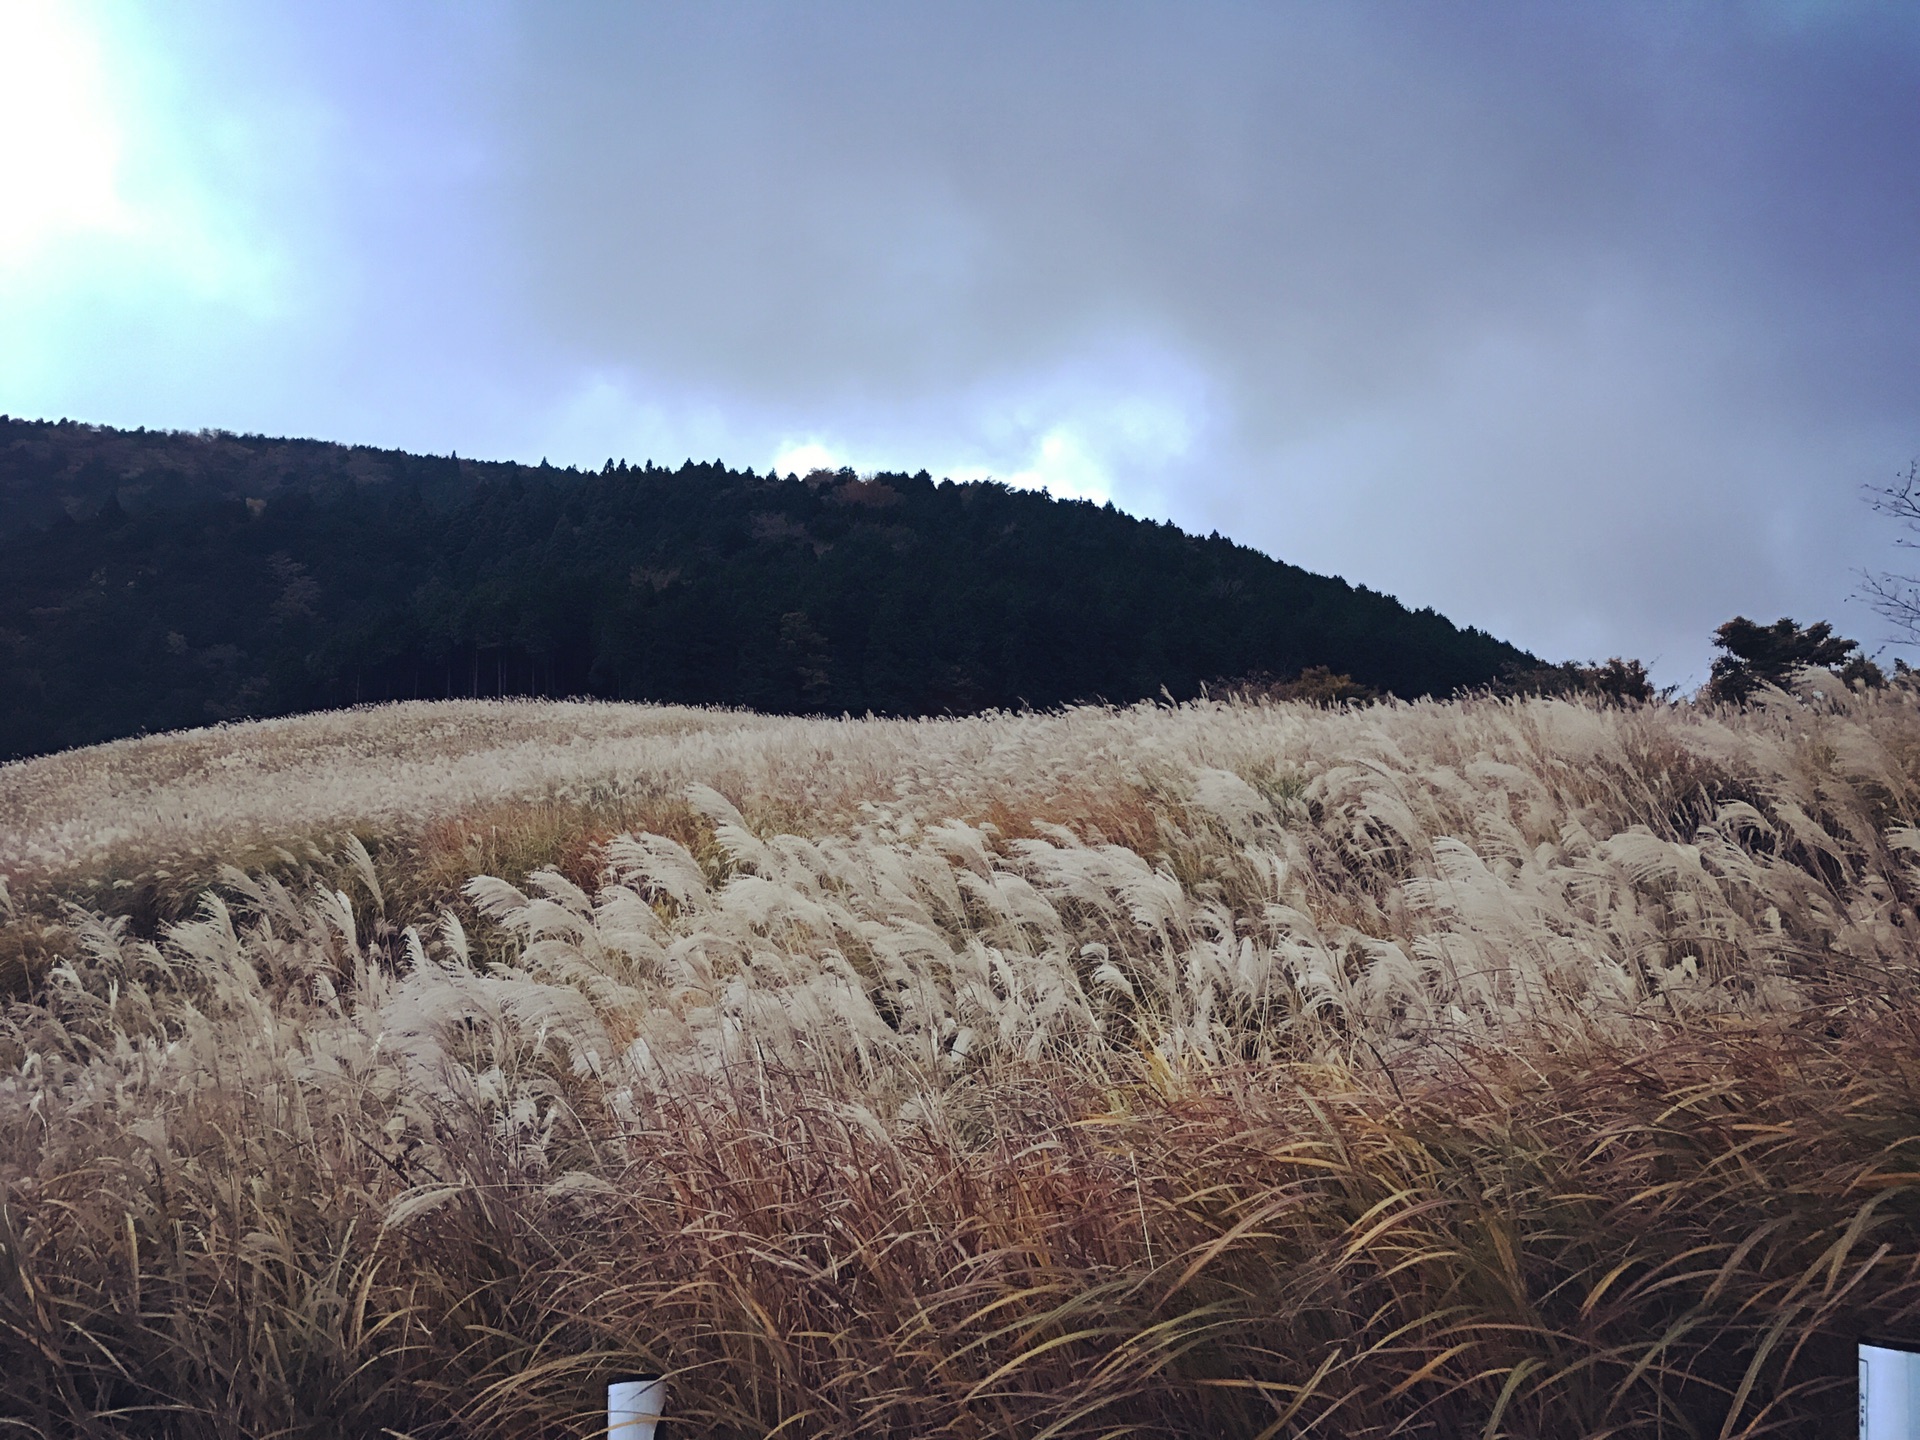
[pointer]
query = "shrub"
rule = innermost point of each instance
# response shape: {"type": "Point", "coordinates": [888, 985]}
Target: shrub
{"type": "Point", "coordinates": [1619, 681]}
{"type": "Point", "coordinates": [1761, 655]}
{"type": "Point", "coordinates": [1315, 685]}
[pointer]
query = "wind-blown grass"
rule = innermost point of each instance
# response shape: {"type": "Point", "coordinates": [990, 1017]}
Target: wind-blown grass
{"type": "Point", "coordinates": [1488, 1068]}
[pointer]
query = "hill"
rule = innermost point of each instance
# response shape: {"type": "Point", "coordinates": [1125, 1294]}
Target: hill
{"type": "Point", "coordinates": [1229, 1069]}
{"type": "Point", "coordinates": [151, 581]}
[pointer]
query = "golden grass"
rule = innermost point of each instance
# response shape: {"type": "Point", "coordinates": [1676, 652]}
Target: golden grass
{"type": "Point", "coordinates": [1494, 1068]}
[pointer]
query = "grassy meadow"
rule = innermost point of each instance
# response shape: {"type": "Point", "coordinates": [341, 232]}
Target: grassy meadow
{"type": "Point", "coordinates": [1470, 1069]}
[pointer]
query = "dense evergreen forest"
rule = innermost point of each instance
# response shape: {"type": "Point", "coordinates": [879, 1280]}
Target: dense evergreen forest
{"type": "Point", "coordinates": [154, 580]}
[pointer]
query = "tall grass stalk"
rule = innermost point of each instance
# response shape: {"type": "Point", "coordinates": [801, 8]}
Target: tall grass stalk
{"type": "Point", "coordinates": [1494, 1068]}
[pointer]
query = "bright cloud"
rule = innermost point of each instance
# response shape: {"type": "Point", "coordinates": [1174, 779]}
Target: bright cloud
{"type": "Point", "coordinates": [1098, 445]}
{"type": "Point", "coordinates": [806, 456]}
{"type": "Point", "coordinates": [1065, 469]}
{"type": "Point", "coordinates": [1077, 431]}
{"type": "Point", "coordinates": [1594, 361]}
{"type": "Point", "coordinates": [131, 262]}
{"type": "Point", "coordinates": [60, 147]}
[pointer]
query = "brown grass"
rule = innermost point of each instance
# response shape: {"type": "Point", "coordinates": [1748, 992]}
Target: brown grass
{"type": "Point", "coordinates": [1489, 1070]}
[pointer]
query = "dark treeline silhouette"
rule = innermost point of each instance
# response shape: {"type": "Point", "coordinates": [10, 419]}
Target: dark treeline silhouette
{"type": "Point", "coordinates": [150, 581]}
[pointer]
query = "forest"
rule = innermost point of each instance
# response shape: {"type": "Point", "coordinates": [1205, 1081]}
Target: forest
{"type": "Point", "coordinates": [158, 580]}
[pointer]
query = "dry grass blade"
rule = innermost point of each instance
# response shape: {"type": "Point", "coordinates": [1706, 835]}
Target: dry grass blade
{"type": "Point", "coordinates": [1491, 1068]}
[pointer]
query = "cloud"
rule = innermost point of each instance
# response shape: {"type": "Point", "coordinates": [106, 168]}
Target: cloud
{"type": "Point", "coordinates": [1581, 323]}
{"type": "Point", "coordinates": [806, 456]}
{"type": "Point", "coordinates": [59, 144]}
{"type": "Point", "coordinates": [112, 190]}
{"type": "Point", "coordinates": [1557, 320]}
{"type": "Point", "coordinates": [1100, 426]}
{"type": "Point", "coordinates": [130, 265]}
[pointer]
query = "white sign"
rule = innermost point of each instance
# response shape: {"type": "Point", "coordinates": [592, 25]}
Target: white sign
{"type": "Point", "coordinates": [634, 1407]}
{"type": "Point", "coordinates": [1889, 1393]}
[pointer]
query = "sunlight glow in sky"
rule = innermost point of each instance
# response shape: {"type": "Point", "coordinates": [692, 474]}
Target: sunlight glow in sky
{"type": "Point", "coordinates": [1060, 465]}
{"type": "Point", "coordinates": [1583, 324]}
{"type": "Point", "coordinates": [59, 144]}
{"type": "Point", "coordinates": [131, 260]}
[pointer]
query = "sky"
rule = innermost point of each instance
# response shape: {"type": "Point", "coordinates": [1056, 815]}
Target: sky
{"type": "Point", "coordinates": [1584, 323]}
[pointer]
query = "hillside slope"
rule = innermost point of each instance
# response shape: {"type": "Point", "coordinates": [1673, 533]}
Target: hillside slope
{"type": "Point", "coordinates": [149, 582]}
{"type": "Point", "coordinates": [1479, 1068]}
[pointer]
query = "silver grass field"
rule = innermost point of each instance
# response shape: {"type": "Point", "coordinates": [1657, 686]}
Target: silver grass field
{"type": "Point", "coordinates": [1487, 1068]}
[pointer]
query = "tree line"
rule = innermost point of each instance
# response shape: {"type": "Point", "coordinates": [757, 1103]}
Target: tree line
{"type": "Point", "coordinates": [152, 581]}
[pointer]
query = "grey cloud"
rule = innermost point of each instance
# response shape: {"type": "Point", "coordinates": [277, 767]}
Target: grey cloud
{"type": "Point", "coordinates": [1582, 322]}
{"type": "Point", "coordinates": [763, 189]}
{"type": "Point", "coordinates": [1575, 306]}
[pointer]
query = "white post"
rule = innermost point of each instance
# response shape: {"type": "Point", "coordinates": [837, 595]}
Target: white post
{"type": "Point", "coordinates": [1889, 1390]}
{"type": "Point", "coordinates": [634, 1406]}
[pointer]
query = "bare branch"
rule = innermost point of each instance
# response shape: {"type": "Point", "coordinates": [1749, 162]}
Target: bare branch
{"type": "Point", "coordinates": [1901, 501]}
{"type": "Point", "coordinates": [1896, 598]}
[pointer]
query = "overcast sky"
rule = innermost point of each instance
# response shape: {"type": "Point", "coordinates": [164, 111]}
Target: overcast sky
{"type": "Point", "coordinates": [1582, 323]}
